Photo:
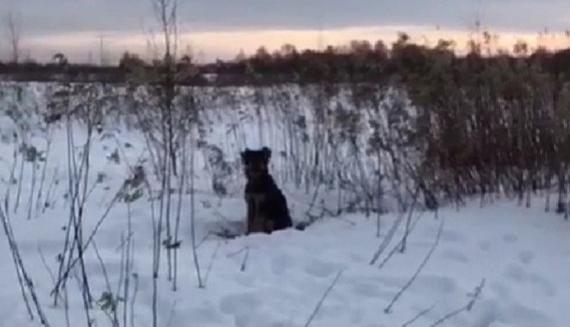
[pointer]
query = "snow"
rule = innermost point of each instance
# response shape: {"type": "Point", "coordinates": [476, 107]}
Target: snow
{"type": "Point", "coordinates": [522, 254]}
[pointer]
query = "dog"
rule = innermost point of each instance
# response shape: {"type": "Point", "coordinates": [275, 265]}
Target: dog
{"type": "Point", "coordinates": [267, 209]}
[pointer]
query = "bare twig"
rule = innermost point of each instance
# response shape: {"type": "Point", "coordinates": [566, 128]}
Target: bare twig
{"type": "Point", "coordinates": [133, 299]}
{"type": "Point", "coordinates": [409, 221]}
{"type": "Point", "coordinates": [474, 297]}
{"type": "Point", "coordinates": [322, 300]}
{"type": "Point", "coordinates": [245, 257]}
{"type": "Point", "coordinates": [398, 246]}
{"type": "Point", "coordinates": [193, 214]}
{"type": "Point", "coordinates": [209, 268]}
{"type": "Point", "coordinates": [386, 241]}
{"type": "Point", "coordinates": [19, 265]}
{"type": "Point", "coordinates": [418, 271]}
{"type": "Point", "coordinates": [418, 316]}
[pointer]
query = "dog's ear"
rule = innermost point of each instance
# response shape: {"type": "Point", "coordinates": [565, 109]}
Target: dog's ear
{"type": "Point", "coordinates": [266, 153]}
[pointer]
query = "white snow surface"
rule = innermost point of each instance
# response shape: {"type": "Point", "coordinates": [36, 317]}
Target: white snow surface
{"type": "Point", "coordinates": [523, 254]}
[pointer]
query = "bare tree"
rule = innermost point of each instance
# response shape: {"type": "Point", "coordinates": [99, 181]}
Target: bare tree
{"type": "Point", "coordinates": [166, 11]}
{"type": "Point", "coordinates": [13, 29]}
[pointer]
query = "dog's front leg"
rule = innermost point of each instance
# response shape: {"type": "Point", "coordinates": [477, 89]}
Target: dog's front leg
{"type": "Point", "coordinates": [259, 216]}
{"type": "Point", "coordinates": [250, 214]}
{"type": "Point", "coordinates": [269, 226]}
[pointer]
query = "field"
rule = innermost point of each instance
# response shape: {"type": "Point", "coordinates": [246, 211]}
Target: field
{"type": "Point", "coordinates": [84, 246]}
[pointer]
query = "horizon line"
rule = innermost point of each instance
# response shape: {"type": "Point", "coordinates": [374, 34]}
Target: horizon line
{"type": "Point", "coordinates": [209, 46]}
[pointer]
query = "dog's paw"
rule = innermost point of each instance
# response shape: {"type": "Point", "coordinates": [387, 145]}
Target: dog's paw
{"type": "Point", "coordinates": [301, 226]}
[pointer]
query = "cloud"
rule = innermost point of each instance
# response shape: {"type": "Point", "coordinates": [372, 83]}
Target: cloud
{"type": "Point", "coordinates": [208, 46]}
{"type": "Point", "coordinates": [222, 27]}
{"type": "Point", "coordinates": [57, 16]}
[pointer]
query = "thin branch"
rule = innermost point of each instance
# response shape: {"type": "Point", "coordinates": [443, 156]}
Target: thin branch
{"type": "Point", "coordinates": [418, 271]}
{"type": "Point", "coordinates": [418, 316]}
{"type": "Point", "coordinates": [322, 300]}
{"type": "Point", "coordinates": [245, 257]}
{"type": "Point", "coordinates": [474, 297]}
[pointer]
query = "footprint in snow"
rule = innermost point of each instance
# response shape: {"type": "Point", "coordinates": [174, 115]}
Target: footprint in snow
{"type": "Point", "coordinates": [446, 235]}
{"type": "Point", "coordinates": [455, 255]}
{"type": "Point", "coordinates": [389, 281]}
{"type": "Point", "coordinates": [356, 258]}
{"type": "Point", "coordinates": [245, 280]}
{"type": "Point", "coordinates": [452, 236]}
{"type": "Point", "coordinates": [489, 314]}
{"type": "Point", "coordinates": [510, 238]}
{"type": "Point", "coordinates": [321, 269]}
{"type": "Point", "coordinates": [526, 257]}
{"type": "Point", "coordinates": [485, 246]}
{"type": "Point", "coordinates": [205, 315]}
{"type": "Point", "coordinates": [516, 273]}
{"type": "Point", "coordinates": [547, 287]}
{"type": "Point", "coordinates": [239, 303]}
{"type": "Point", "coordinates": [369, 290]}
{"type": "Point", "coordinates": [281, 263]}
{"type": "Point", "coordinates": [356, 316]}
{"type": "Point", "coordinates": [527, 316]}
{"type": "Point", "coordinates": [430, 284]}
{"type": "Point", "coordinates": [502, 290]}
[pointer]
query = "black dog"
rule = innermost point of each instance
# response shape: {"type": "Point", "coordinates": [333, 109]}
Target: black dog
{"type": "Point", "coordinates": [267, 209]}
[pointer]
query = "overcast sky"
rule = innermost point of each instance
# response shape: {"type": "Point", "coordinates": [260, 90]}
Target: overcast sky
{"type": "Point", "coordinates": [219, 28]}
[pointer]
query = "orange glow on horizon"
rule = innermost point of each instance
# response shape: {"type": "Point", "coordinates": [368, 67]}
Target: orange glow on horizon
{"type": "Point", "coordinates": [208, 46]}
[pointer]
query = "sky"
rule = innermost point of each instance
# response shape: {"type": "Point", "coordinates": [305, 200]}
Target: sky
{"type": "Point", "coordinates": [213, 29]}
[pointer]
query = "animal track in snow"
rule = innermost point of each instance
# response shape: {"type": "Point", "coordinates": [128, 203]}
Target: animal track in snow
{"type": "Point", "coordinates": [239, 303]}
{"type": "Point", "coordinates": [485, 245]}
{"type": "Point", "coordinates": [356, 258]}
{"type": "Point", "coordinates": [435, 284]}
{"type": "Point", "coordinates": [510, 238]}
{"type": "Point", "coordinates": [527, 316]}
{"type": "Point", "coordinates": [518, 274]}
{"type": "Point", "coordinates": [515, 273]}
{"type": "Point", "coordinates": [245, 280]}
{"type": "Point", "coordinates": [501, 289]}
{"type": "Point", "coordinates": [281, 263]}
{"type": "Point", "coordinates": [356, 316]}
{"type": "Point", "coordinates": [321, 269]}
{"type": "Point", "coordinates": [452, 236]}
{"type": "Point", "coordinates": [547, 288]}
{"type": "Point", "coordinates": [526, 257]}
{"type": "Point", "coordinates": [455, 255]}
{"type": "Point", "coordinates": [205, 315]}
{"type": "Point", "coordinates": [370, 290]}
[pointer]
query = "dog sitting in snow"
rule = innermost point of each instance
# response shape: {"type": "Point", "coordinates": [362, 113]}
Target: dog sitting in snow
{"type": "Point", "coordinates": [267, 209]}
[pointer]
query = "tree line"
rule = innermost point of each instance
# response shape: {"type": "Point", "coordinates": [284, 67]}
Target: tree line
{"type": "Point", "coordinates": [486, 122]}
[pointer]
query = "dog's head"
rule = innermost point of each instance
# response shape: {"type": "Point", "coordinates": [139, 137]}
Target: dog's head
{"type": "Point", "coordinates": [256, 162]}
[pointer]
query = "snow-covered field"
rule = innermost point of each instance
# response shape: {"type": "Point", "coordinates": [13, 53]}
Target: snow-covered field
{"type": "Point", "coordinates": [511, 263]}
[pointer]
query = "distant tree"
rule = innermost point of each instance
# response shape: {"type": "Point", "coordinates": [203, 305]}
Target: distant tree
{"type": "Point", "coordinates": [520, 48]}
{"type": "Point", "coordinates": [240, 57]}
{"type": "Point", "coordinates": [330, 50]}
{"type": "Point", "coordinates": [403, 38]}
{"type": "Point", "coordinates": [381, 50]}
{"type": "Point", "coordinates": [185, 68]}
{"type": "Point", "coordinates": [13, 28]}
{"type": "Point", "coordinates": [30, 61]}
{"type": "Point", "coordinates": [185, 60]}
{"type": "Point", "coordinates": [445, 45]}
{"type": "Point", "coordinates": [474, 47]}
{"type": "Point", "coordinates": [262, 54]}
{"type": "Point", "coordinates": [288, 50]}
{"type": "Point", "coordinates": [360, 47]}
{"type": "Point", "coordinates": [131, 61]}
{"type": "Point", "coordinates": [60, 59]}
